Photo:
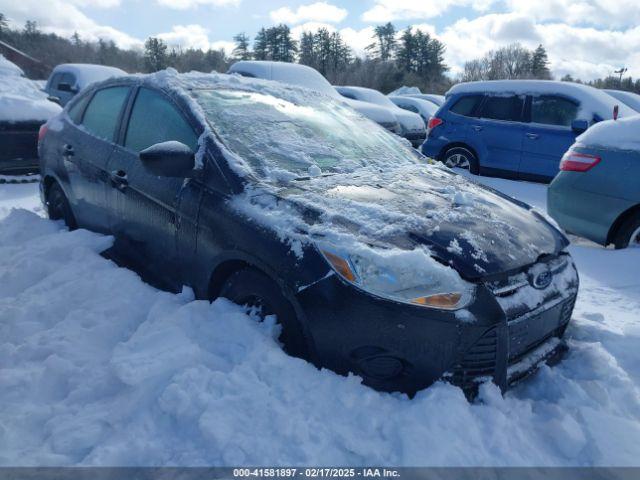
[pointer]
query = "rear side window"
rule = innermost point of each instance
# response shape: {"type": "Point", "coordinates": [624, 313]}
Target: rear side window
{"type": "Point", "coordinates": [508, 108]}
{"type": "Point", "coordinates": [553, 110]}
{"type": "Point", "coordinates": [75, 112]}
{"type": "Point", "coordinates": [154, 120]}
{"type": "Point", "coordinates": [466, 106]}
{"type": "Point", "coordinates": [102, 114]}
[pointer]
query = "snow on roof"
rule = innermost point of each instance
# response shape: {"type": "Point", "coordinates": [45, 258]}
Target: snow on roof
{"type": "Point", "coordinates": [9, 68]}
{"type": "Point", "coordinates": [291, 73]}
{"type": "Point", "coordinates": [22, 100]}
{"type": "Point", "coordinates": [592, 101]}
{"type": "Point", "coordinates": [623, 134]}
{"type": "Point", "coordinates": [424, 106]}
{"type": "Point", "coordinates": [87, 73]}
{"type": "Point", "coordinates": [404, 90]}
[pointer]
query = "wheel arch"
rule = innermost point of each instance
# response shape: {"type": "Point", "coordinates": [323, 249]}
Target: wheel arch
{"type": "Point", "coordinates": [618, 222]}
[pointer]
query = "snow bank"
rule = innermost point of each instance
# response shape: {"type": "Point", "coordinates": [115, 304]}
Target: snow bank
{"type": "Point", "coordinates": [592, 101]}
{"type": "Point", "coordinates": [98, 368]}
{"type": "Point", "coordinates": [623, 134]}
{"type": "Point", "coordinates": [20, 98]}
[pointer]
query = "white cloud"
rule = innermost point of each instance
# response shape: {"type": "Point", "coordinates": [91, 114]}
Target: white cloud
{"type": "Point", "coordinates": [315, 12]}
{"type": "Point", "coordinates": [64, 18]}
{"type": "Point", "coordinates": [186, 4]}
{"type": "Point", "coordinates": [194, 36]}
{"type": "Point", "coordinates": [389, 10]}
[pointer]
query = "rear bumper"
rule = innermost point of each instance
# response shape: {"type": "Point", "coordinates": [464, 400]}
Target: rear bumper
{"type": "Point", "coordinates": [432, 147]}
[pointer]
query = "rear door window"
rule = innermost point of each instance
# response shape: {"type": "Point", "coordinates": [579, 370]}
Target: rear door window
{"type": "Point", "coordinates": [466, 106]}
{"type": "Point", "coordinates": [505, 108]}
{"type": "Point", "coordinates": [103, 112]}
{"type": "Point", "coordinates": [154, 120]}
{"type": "Point", "coordinates": [553, 110]}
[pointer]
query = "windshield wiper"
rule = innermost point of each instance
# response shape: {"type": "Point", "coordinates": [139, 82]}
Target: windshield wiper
{"type": "Point", "coordinates": [302, 179]}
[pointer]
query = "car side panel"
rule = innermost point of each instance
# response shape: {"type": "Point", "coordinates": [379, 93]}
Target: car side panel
{"type": "Point", "coordinates": [542, 149]}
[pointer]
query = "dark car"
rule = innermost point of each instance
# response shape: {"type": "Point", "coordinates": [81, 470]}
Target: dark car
{"type": "Point", "coordinates": [281, 198]}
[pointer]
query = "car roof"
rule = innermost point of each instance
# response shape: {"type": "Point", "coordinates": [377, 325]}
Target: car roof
{"type": "Point", "coordinates": [87, 73]}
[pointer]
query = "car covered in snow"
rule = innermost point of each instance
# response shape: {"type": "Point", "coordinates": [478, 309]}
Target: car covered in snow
{"type": "Point", "coordinates": [305, 76]}
{"type": "Point", "coordinates": [515, 128]}
{"type": "Point", "coordinates": [597, 193]}
{"type": "Point", "coordinates": [412, 126]}
{"type": "Point", "coordinates": [425, 109]}
{"type": "Point", "coordinates": [373, 260]}
{"type": "Point", "coordinates": [67, 79]}
{"type": "Point", "coordinates": [415, 92]}
{"type": "Point", "coordinates": [23, 108]}
{"type": "Point", "coordinates": [630, 99]}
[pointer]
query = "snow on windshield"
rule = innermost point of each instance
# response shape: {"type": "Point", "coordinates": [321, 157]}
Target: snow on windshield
{"type": "Point", "coordinates": [283, 139]}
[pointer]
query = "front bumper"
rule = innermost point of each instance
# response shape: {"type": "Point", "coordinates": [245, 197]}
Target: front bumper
{"type": "Point", "coordinates": [399, 347]}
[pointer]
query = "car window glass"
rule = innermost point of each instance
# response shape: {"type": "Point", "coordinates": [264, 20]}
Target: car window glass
{"type": "Point", "coordinates": [411, 108]}
{"type": "Point", "coordinates": [553, 110]}
{"type": "Point", "coordinates": [55, 79]}
{"type": "Point", "coordinates": [466, 105]}
{"type": "Point", "coordinates": [503, 108]}
{"type": "Point", "coordinates": [348, 95]}
{"type": "Point", "coordinates": [101, 116]}
{"type": "Point", "coordinates": [75, 112]}
{"type": "Point", "coordinates": [69, 78]}
{"type": "Point", "coordinates": [144, 128]}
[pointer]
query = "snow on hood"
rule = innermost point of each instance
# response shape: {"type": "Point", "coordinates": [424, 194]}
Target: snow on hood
{"type": "Point", "coordinates": [22, 100]}
{"type": "Point", "coordinates": [623, 134]}
{"type": "Point", "coordinates": [592, 101]}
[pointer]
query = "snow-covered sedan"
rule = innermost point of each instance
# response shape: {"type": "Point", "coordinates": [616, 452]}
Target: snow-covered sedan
{"type": "Point", "coordinates": [23, 108]}
{"type": "Point", "coordinates": [284, 199]}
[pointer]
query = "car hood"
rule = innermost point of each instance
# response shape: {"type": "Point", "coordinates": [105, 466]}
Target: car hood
{"type": "Point", "coordinates": [373, 112]}
{"type": "Point", "coordinates": [476, 230]}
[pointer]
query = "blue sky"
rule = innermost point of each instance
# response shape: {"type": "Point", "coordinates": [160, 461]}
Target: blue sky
{"type": "Point", "coordinates": [587, 38]}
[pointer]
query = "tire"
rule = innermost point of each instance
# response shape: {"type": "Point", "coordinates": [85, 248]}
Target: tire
{"type": "Point", "coordinates": [628, 234]}
{"type": "Point", "coordinates": [253, 288]}
{"type": "Point", "coordinates": [461, 157]}
{"type": "Point", "coordinates": [58, 207]}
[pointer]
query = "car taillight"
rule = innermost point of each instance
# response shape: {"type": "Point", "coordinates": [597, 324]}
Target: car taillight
{"type": "Point", "coordinates": [434, 122]}
{"type": "Point", "coordinates": [578, 162]}
{"type": "Point", "coordinates": [42, 132]}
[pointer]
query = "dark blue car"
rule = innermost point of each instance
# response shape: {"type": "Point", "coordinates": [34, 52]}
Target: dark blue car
{"type": "Point", "coordinates": [515, 128]}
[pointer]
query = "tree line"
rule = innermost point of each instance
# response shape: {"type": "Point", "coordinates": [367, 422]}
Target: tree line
{"type": "Point", "coordinates": [394, 58]}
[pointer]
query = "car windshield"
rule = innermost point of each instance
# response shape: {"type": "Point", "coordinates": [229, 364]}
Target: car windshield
{"type": "Point", "coordinates": [285, 139]}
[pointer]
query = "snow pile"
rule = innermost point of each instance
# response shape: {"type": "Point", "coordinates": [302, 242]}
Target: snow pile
{"type": "Point", "coordinates": [593, 102]}
{"type": "Point", "coordinates": [623, 134]}
{"type": "Point", "coordinates": [20, 98]}
{"type": "Point", "coordinates": [98, 368]}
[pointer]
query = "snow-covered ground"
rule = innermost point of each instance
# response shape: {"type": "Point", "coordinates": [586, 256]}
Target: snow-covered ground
{"type": "Point", "coordinates": [97, 367]}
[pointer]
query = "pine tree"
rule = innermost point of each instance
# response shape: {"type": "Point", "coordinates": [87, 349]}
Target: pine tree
{"type": "Point", "coordinates": [307, 50]}
{"type": "Point", "coordinates": [406, 51]}
{"type": "Point", "coordinates": [3, 23]}
{"type": "Point", "coordinates": [241, 50]}
{"type": "Point", "coordinates": [385, 42]}
{"type": "Point", "coordinates": [540, 63]}
{"type": "Point", "coordinates": [260, 45]}
{"type": "Point", "coordinates": [155, 54]}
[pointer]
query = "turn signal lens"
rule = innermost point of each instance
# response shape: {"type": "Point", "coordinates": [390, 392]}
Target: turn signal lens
{"type": "Point", "coordinates": [340, 265]}
{"type": "Point", "coordinates": [441, 300]}
{"type": "Point", "coordinates": [578, 162]}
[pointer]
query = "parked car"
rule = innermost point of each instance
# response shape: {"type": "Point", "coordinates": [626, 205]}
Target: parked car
{"type": "Point", "coordinates": [630, 99]}
{"type": "Point", "coordinates": [425, 109]}
{"type": "Point", "coordinates": [23, 108]}
{"type": "Point", "coordinates": [515, 128]}
{"type": "Point", "coordinates": [413, 128]}
{"type": "Point", "coordinates": [67, 79]}
{"type": "Point", "coordinates": [281, 198]}
{"type": "Point", "coordinates": [304, 76]}
{"type": "Point", "coordinates": [437, 100]}
{"type": "Point", "coordinates": [597, 194]}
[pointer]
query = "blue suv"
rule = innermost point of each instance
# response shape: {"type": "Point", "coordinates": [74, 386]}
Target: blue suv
{"type": "Point", "coordinates": [515, 128]}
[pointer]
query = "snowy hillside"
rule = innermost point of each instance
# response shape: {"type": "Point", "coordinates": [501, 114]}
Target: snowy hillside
{"type": "Point", "coordinates": [97, 367]}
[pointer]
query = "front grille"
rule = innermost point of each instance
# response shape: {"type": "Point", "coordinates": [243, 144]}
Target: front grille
{"type": "Point", "coordinates": [479, 361]}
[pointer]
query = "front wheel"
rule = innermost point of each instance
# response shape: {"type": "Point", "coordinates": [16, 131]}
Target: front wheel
{"type": "Point", "coordinates": [628, 235]}
{"type": "Point", "coordinates": [255, 290]}
{"type": "Point", "coordinates": [461, 157]}
{"type": "Point", "coordinates": [58, 207]}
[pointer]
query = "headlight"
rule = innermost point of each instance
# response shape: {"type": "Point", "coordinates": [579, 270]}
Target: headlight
{"type": "Point", "coordinates": [412, 277]}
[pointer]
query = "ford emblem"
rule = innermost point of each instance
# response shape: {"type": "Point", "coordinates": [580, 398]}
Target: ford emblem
{"type": "Point", "coordinates": [541, 279]}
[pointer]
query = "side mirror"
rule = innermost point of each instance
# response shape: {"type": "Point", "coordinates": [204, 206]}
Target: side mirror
{"type": "Point", "coordinates": [579, 126]}
{"type": "Point", "coordinates": [168, 159]}
{"type": "Point", "coordinates": [66, 87]}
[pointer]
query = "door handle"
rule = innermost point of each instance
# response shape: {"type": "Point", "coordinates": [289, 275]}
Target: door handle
{"type": "Point", "coordinates": [68, 151]}
{"type": "Point", "coordinates": [477, 128]}
{"type": "Point", "coordinates": [119, 179]}
{"type": "Point", "coordinates": [533, 136]}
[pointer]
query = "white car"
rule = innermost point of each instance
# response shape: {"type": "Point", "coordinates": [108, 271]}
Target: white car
{"type": "Point", "coordinates": [23, 109]}
{"type": "Point", "coordinates": [416, 105]}
{"type": "Point", "coordinates": [413, 128]}
{"type": "Point", "coordinates": [630, 99]}
{"type": "Point", "coordinates": [67, 79]}
{"type": "Point", "coordinates": [304, 76]}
